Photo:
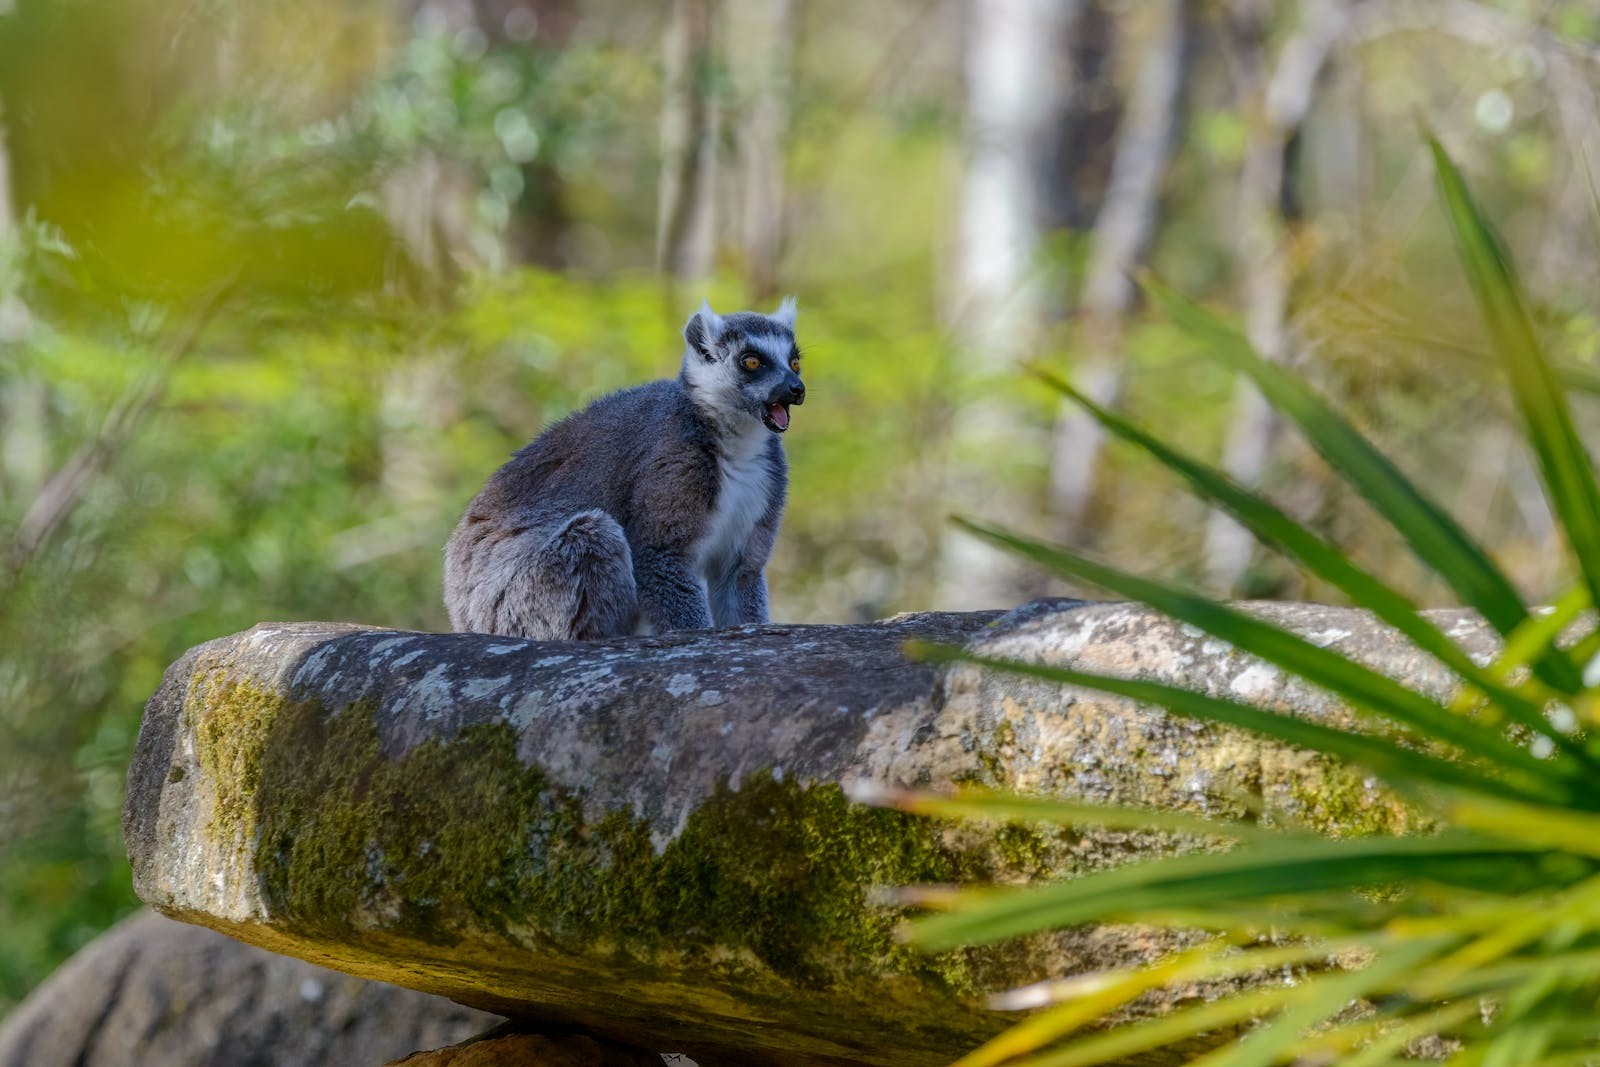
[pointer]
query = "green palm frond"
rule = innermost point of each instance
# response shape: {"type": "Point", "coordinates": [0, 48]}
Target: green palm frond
{"type": "Point", "coordinates": [1482, 936]}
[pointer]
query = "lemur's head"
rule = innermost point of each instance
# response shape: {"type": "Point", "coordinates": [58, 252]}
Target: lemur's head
{"type": "Point", "coordinates": [744, 369]}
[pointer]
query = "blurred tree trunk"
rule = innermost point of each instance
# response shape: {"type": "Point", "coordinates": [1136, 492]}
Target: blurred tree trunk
{"type": "Point", "coordinates": [1080, 140]}
{"type": "Point", "coordinates": [763, 70]}
{"type": "Point", "coordinates": [1275, 99]}
{"type": "Point", "coordinates": [686, 223]}
{"type": "Point", "coordinates": [541, 220]}
{"type": "Point", "coordinates": [1012, 48]}
{"type": "Point", "coordinates": [24, 403]}
{"type": "Point", "coordinates": [430, 201]}
{"type": "Point", "coordinates": [1117, 247]}
{"type": "Point", "coordinates": [550, 22]}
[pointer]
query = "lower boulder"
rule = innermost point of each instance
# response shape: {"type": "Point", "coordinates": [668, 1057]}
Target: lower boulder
{"type": "Point", "coordinates": [509, 1046]}
{"type": "Point", "coordinates": [152, 991]}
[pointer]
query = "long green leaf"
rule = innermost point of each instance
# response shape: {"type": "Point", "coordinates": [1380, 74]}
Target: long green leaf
{"type": "Point", "coordinates": [1535, 637]}
{"type": "Point", "coordinates": [1394, 1039]}
{"type": "Point", "coordinates": [1276, 529]}
{"type": "Point", "coordinates": [1392, 762]}
{"type": "Point", "coordinates": [1104, 994]}
{"type": "Point", "coordinates": [1563, 460]}
{"type": "Point", "coordinates": [1436, 539]}
{"type": "Point", "coordinates": [1316, 1001]}
{"type": "Point", "coordinates": [1247, 874]}
{"type": "Point", "coordinates": [1125, 1042]}
{"type": "Point", "coordinates": [1365, 688]}
{"type": "Point", "coordinates": [1577, 832]}
{"type": "Point", "coordinates": [971, 803]}
{"type": "Point", "coordinates": [1583, 966]}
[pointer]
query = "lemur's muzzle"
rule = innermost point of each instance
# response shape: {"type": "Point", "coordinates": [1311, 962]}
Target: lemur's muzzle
{"type": "Point", "coordinates": [790, 391]}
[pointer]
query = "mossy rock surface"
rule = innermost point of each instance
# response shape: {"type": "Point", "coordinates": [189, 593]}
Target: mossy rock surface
{"type": "Point", "coordinates": [649, 839]}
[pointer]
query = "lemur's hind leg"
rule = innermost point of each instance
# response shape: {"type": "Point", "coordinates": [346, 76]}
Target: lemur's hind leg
{"type": "Point", "coordinates": [574, 582]}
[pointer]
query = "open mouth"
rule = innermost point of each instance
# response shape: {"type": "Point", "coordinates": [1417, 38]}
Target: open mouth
{"type": "Point", "coordinates": [776, 416]}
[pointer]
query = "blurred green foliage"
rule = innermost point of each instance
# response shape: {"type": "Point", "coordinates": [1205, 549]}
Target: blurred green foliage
{"type": "Point", "coordinates": [287, 279]}
{"type": "Point", "coordinates": [285, 399]}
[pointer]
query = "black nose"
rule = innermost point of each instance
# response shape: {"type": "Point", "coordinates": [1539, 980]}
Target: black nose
{"type": "Point", "coordinates": [797, 390]}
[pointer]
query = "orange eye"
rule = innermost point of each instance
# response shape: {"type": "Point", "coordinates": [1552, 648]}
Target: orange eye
{"type": "Point", "coordinates": [751, 363]}
{"type": "Point", "coordinates": [794, 365]}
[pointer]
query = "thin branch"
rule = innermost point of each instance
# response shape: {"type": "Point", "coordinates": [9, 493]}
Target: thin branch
{"type": "Point", "coordinates": [64, 491]}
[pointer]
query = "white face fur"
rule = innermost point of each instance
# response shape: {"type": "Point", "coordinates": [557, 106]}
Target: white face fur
{"type": "Point", "coordinates": [743, 369]}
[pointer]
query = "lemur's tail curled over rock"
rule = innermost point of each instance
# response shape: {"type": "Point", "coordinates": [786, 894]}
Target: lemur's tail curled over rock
{"type": "Point", "coordinates": [573, 582]}
{"type": "Point", "coordinates": [586, 575]}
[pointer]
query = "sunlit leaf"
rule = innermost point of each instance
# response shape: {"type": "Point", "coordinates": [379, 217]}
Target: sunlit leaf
{"type": "Point", "coordinates": [1563, 460]}
{"type": "Point", "coordinates": [1317, 1000]}
{"type": "Point", "coordinates": [1273, 527]}
{"type": "Point", "coordinates": [1249, 873]}
{"type": "Point", "coordinates": [1436, 539]}
{"type": "Point", "coordinates": [974, 803]}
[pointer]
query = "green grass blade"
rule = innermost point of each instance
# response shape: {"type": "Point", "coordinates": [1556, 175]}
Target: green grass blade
{"type": "Point", "coordinates": [1393, 1041]}
{"type": "Point", "coordinates": [1316, 1000]}
{"type": "Point", "coordinates": [1250, 874]}
{"type": "Point", "coordinates": [1394, 763]}
{"type": "Point", "coordinates": [1274, 528]}
{"type": "Point", "coordinates": [1581, 966]}
{"type": "Point", "coordinates": [970, 803]}
{"type": "Point", "coordinates": [1561, 829]}
{"type": "Point", "coordinates": [1578, 905]}
{"type": "Point", "coordinates": [1125, 1042]}
{"type": "Point", "coordinates": [1436, 539]}
{"type": "Point", "coordinates": [1101, 995]}
{"type": "Point", "coordinates": [1365, 688]}
{"type": "Point", "coordinates": [1533, 638]}
{"type": "Point", "coordinates": [1563, 460]}
{"type": "Point", "coordinates": [1581, 1058]}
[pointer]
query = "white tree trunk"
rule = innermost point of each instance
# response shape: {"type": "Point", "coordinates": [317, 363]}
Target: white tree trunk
{"type": "Point", "coordinates": [762, 66]}
{"type": "Point", "coordinates": [994, 313]}
{"type": "Point", "coordinates": [1276, 105]}
{"type": "Point", "coordinates": [1012, 46]}
{"type": "Point", "coordinates": [686, 222]}
{"type": "Point", "coordinates": [1121, 237]}
{"type": "Point", "coordinates": [24, 404]}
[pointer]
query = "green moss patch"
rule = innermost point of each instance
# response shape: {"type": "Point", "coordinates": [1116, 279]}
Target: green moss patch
{"type": "Point", "coordinates": [231, 721]}
{"type": "Point", "coordinates": [460, 836]}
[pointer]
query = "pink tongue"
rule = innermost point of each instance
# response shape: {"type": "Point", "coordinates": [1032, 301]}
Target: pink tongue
{"type": "Point", "coordinates": [779, 415]}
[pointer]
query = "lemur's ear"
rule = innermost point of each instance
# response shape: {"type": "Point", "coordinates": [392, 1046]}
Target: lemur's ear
{"type": "Point", "coordinates": [703, 330]}
{"type": "Point", "coordinates": [785, 312]}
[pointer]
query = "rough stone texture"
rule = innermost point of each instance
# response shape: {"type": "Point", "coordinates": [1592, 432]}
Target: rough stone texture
{"type": "Point", "coordinates": [647, 838]}
{"type": "Point", "coordinates": [508, 1046]}
{"type": "Point", "coordinates": [152, 991]}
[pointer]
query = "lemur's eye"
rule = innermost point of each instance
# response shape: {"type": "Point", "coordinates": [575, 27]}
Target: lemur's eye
{"type": "Point", "coordinates": [794, 365]}
{"type": "Point", "coordinates": [751, 363]}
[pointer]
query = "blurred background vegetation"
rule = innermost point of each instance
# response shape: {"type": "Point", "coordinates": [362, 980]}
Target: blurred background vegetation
{"type": "Point", "coordinates": [281, 281]}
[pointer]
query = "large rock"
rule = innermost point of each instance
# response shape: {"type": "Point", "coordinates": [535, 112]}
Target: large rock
{"type": "Point", "coordinates": [151, 991]}
{"type": "Point", "coordinates": [648, 838]}
{"type": "Point", "coordinates": [509, 1046]}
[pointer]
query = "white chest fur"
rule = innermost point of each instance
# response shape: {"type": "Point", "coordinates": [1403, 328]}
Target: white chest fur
{"type": "Point", "coordinates": [742, 498]}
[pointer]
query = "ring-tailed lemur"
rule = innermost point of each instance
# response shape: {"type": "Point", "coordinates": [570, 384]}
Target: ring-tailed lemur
{"type": "Point", "coordinates": [652, 509]}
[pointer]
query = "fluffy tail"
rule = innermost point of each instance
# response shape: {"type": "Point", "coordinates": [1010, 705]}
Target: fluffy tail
{"type": "Point", "coordinates": [571, 583]}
